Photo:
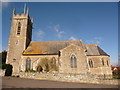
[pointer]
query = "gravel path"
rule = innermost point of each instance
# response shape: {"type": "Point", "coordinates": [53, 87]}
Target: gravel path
{"type": "Point", "coordinates": [14, 82]}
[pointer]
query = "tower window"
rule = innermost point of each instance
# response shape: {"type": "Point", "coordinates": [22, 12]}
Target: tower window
{"type": "Point", "coordinates": [28, 63]}
{"type": "Point", "coordinates": [73, 61]}
{"type": "Point", "coordinates": [90, 63]}
{"type": "Point", "coordinates": [19, 28]}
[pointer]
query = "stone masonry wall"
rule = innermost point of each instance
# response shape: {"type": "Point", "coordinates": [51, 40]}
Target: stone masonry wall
{"type": "Point", "coordinates": [100, 68]}
{"type": "Point", "coordinates": [35, 60]}
{"type": "Point", "coordinates": [65, 60]}
{"type": "Point", "coordinates": [84, 78]}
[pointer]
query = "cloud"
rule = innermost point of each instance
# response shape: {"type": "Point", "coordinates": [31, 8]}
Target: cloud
{"type": "Point", "coordinates": [40, 34]}
{"type": "Point", "coordinates": [95, 40]}
{"type": "Point", "coordinates": [98, 40]}
{"type": "Point", "coordinates": [72, 38]}
{"type": "Point", "coordinates": [57, 30]}
{"type": "Point", "coordinates": [60, 33]}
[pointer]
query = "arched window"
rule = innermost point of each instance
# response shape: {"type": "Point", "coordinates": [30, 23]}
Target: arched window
{"type": "Point", "coordinates": [28, 63]}
{"type": "Point", "coordinates": [102, 61]}
{"type": "Point", "coordinates": [73, 61]}
{"type": "Point", "coordinates": [107, 63]}
{"type": "Point", "coordinates": [19, 28]}
{"type": "Point", "coordinates": [90, 63]}
{"type": "Point", "coordinates": [59, 53]}
{"type": "Point", "coordinates": [53, 60]}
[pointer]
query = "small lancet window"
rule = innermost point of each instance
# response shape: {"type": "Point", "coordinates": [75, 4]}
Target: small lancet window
{"type": "Point", "coordinates": [59, 53]}
{"type": "Point", "coordinates": [53, 60]}
{"type": "Point", "coordinates": [107, 63]}
{"type": "Point", "coordinates": [19, 28]}
{"type": "Point", "coordinates": [17, 41]}
{"type": "Point", "coordinates": [102, 61]}
{"type": "Point", "coordinates": [73, 61]}
{"type": "Point", "coordinates": [28, 63]}
{"type": "Point", "coordinates": [90, 63]}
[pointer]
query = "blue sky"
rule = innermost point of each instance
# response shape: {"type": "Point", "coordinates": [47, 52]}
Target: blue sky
{"type": "Point", "coordinates": [93, 23]}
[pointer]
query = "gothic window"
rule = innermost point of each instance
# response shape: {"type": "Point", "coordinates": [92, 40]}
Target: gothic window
{"type": "Point", "coordinates": [53, 60]}
{"type": "Point", "coordinates": [19, 28]}
{"type": "Point", "coordinates": [73, 61]}
{"type": "Point", "coordinates": [28, 64]}
{"type": "Point", "coordinates": [90, 63]}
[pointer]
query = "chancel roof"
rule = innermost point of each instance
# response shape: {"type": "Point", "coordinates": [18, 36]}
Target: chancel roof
{"type": "Point", "coordinates": [94, 50]}
{"type": "Point", "coordinates": [53, 48]}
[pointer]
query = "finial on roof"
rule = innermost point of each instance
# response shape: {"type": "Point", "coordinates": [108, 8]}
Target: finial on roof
{"type": "Point", "coordinates": [24, 8]}
{"type": "Point", "coordinates": [13, 11]}
{"type": "Point", "coordinates": [32, 20]}
{"type": "Point", "coordinates": [27, 11]}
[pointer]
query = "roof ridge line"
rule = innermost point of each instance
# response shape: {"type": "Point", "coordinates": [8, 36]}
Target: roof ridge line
{"type": "Point", "coordinates": [57, 41]}
{"type": "Point", "coordinates": [90, 44]}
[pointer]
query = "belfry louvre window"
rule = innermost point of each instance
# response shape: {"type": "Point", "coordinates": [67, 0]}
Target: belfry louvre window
{"type": "Point", "coordinates": [90, 63]}
{"type": "Point", "coordinates": [73, 61]}
{"type": "Point", "coordinates": [28, 63]}
{"type": "Point", "coordinates": [19, 28]}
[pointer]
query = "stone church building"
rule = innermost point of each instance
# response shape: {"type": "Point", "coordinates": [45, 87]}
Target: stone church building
{"type": "Point", "coordinates": [69, 56]}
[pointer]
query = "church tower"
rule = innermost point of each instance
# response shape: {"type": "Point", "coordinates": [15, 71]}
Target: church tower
{"type": "Point", "coordinates": [19, 39]}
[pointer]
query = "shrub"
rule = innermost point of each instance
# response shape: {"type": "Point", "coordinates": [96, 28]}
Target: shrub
{"type": "Point", "coordinates": [43, 65]}
{"type": "Point", "coordinates": [39, 68]}
{"type": "Point", "coordinates": [52, 67]}
{"type": "Point", "coordinates": [116, 74]}
{"type": "Point", "coordinates": [30, 70]}
{"type": "Point", "coordinates": [4, 54]}
{"type": "Point", "coordinates": [4, 66]}
{"type": "Point", "coordinates": [8, 67]}
{"type": "Point", "coordinates": [15, 76]}
{"type": "Point", "coordinates": [46, 65]}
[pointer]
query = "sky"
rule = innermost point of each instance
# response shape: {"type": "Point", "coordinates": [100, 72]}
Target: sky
{"type": "Point", "coordinates": [91, 22]}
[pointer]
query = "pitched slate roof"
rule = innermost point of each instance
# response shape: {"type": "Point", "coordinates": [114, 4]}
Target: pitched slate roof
{"type": "Point", "coordinates": [94, 50]}
{"type": "Point", "coordinates": [48, 47]}
{"type": "Point", "coordinates": [53, 47]}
